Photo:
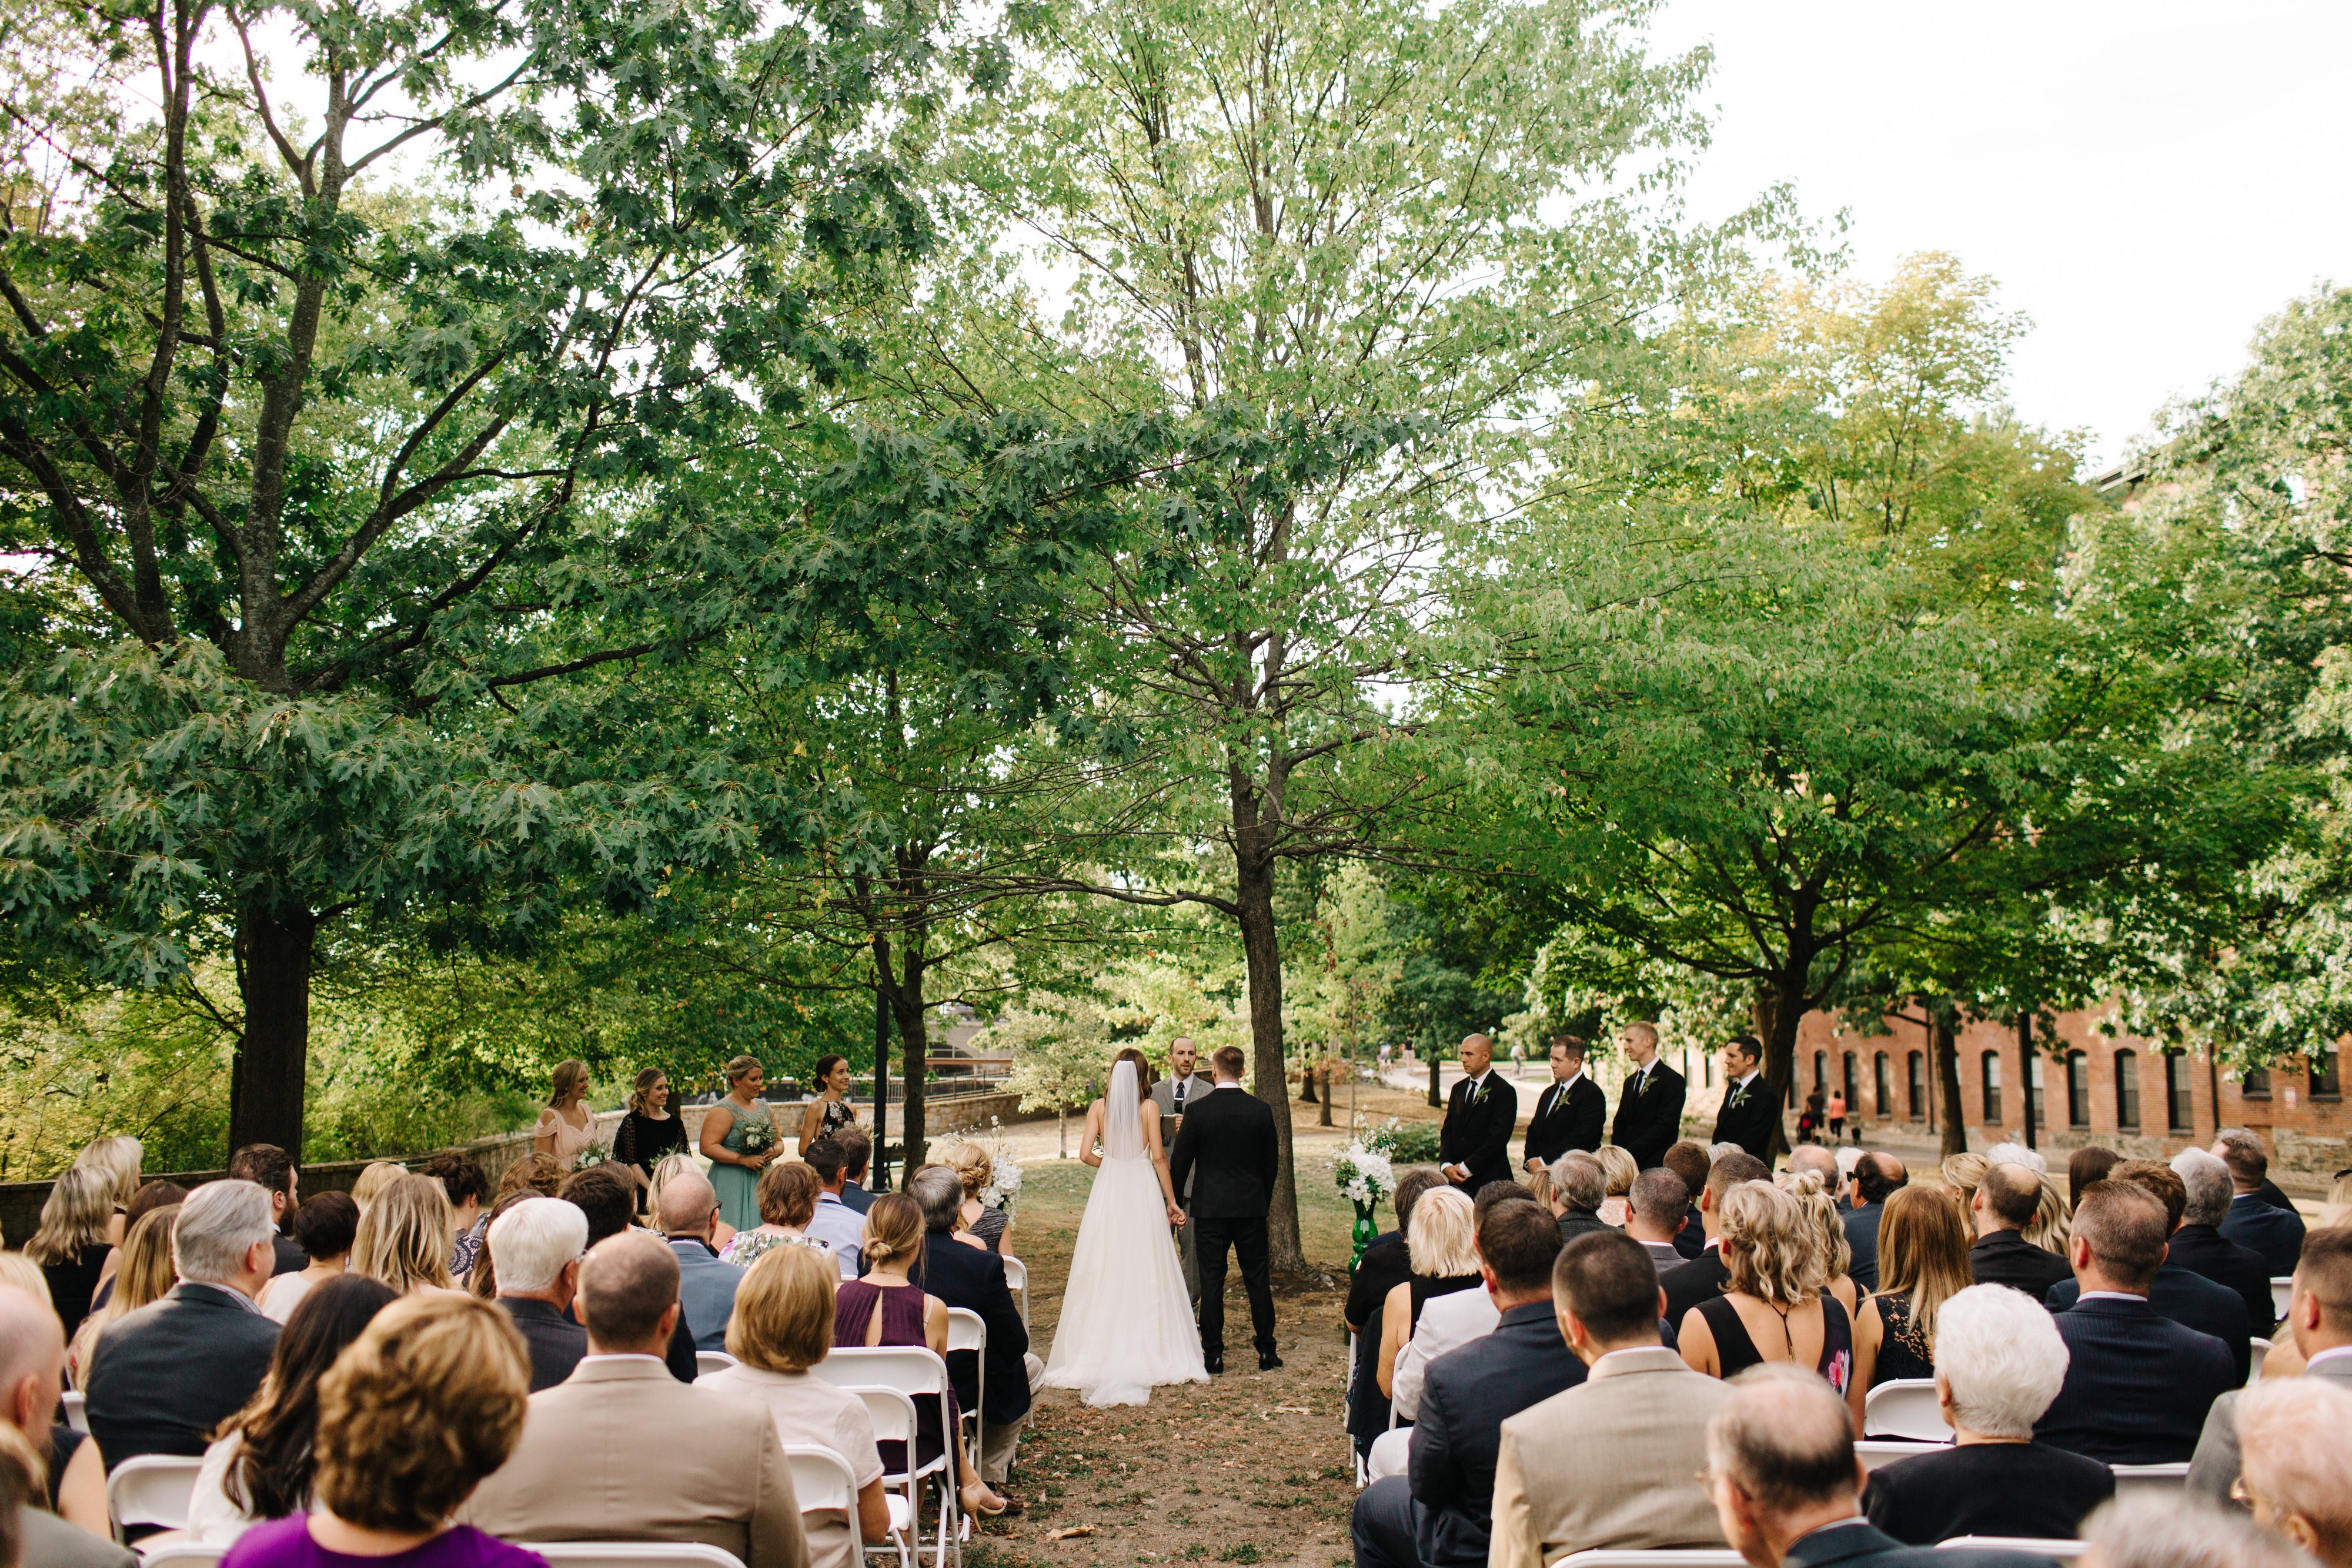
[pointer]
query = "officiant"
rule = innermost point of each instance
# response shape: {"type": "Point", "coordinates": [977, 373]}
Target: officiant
{"type": "Point", "coordinates": [1171, 1094]}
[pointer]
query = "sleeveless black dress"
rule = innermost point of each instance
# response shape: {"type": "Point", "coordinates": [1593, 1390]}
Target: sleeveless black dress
{"type": "Point", "coordinates": [1735, 1352]}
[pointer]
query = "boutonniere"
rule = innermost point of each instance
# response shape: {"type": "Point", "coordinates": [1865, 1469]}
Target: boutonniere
{"type": "Point", "coordinates": [1739, 1095]}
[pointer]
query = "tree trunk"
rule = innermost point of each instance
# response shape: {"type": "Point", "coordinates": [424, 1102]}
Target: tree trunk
{"type": "Point", "coordinates": [1323, 1119]}
{"type": "Point", "coordinates": [1436, 1101]}
{"type": "Point", "coordinates": [1948, 1080]}
{"type": "Point", "coordinates": [2025, 1067]}
{"type": "Point", "coordinates": [1262, 949]}
{"type": "Point", "coordinates": [273, 1054]}
{"type": "Point", "coordinates": [914, 1047]}
{"type": "Point", "coordinates": [1307, 1085]}
{"type": "Point", "coordinates": [1778, 1013]}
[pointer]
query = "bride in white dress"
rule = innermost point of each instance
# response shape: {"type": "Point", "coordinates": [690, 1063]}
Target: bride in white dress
{"type": "Point", "coordinates": [1127, 1324]}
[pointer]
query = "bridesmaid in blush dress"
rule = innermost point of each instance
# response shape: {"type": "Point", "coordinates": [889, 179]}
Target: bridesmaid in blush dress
{"type": "Point", "coordinates": [565, 1127]}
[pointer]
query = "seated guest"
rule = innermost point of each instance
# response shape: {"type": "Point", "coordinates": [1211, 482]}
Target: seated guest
{"type": "Point", "coordinates": [1998, 1364]}
{"type": "Point", "coordinates": [32, 1371]}
{"type": "Point", "coordinates": [1599, 1465]}
{"type": "Point", "coordinates": [1579, 1187]}
{"type": "Point", "coordinates": [979, 1224]}
{"type": "Point", "coordinates": [532, 1172]}
{"type": "Point", "coordinates": [609, 1200]}
{"type": "Point", "coordinates": [1618, 1171]}
{"type": "Point", "coordinates": [1822, 1218]}
{"type": "Point", "coordinates": [1442, 1246]}
{"type": "Point", "coordinates": [2005, 1203]}
{"type": "Point", "coordinates": [2188, 1299]}
{"type": "Point", "coordinates": [260, 1465]}
{"type": "Point", "coordinates": [271, 1169]}
{"type": "Point", "coordinates": [1702, 1279]}
{"type": "Point", "coordinates": [2296, 1472]}
{"type": "Point", "coordinates": [467, 1189]}
{"type": "Point", "coordinates": [2084, 1167]}
{"type": "Point", "coordinates": [1876, 1175]}
{"type": "Point", "coordinates": [2317, 1328]}
{"type": "Point", "coordinates": [71, 1245]}
{"type": "Point", "coordinates": [402, 1239]}
{"type": "Point", "coordinates": [1447, 1323]}
{"type": "Point", "coordinates": [150, 1196]}
{"type": "Point", "coordinates": [536, 1247]}
{"type": "Point", "coordinates": [856, 1152]}
{"type": "Point", "coordinates": [2269, 1228]}
{"type": "Point", "coordinates": [1775, 1306]}
{"type": "Point", "coordinates": [1385, 1265]}
{"type": "Point", "coordinates": [1782, 1475]}
{"type": "Point", "coordinates": [706, 1287]}
{"type": "Point", "coordinates": [786, 1193]}
{"type": "Point", "coordinates": [1689, 1160]}
{"type": "Point", "coordinates": [1923, 1262]}
{"type": "Point", "coordinates": [1655, 1210]}
{"type": "Point", "coordinates": [324, 1227]}
{"type": "Point", "coordinates": [782, 1325]}
{"type": "Point", "coordinates": [1437, 1515]}
{"type": "Point", "coordinates": [622, 1451]}
{"type": "Point", "coordinates": [422, 1406]}
{"type": "Point", "coordinates": [165, 1378]}
{"type": "Point", "coordinates": [482, 1278]}
{"type": "Point", "coordinates": [145, 1277]}
{"type": "Point", "coordinates": [835, 1223]}
{"type": "Point", "coordinates": [29, 1534]}
{"type": "Point", "coordinates": [2137, 1385]}
{"type": "Point", "coordinates": [2199, 1246]}
{"type": "Point", "coordinates": [2148, 1529]}
{"type": "Point", "coordinates": [973, 1279]}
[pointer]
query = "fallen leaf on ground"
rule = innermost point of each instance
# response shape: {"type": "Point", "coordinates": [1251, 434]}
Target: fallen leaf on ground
{"type": "Point", "coordinates": [1073, 1533]}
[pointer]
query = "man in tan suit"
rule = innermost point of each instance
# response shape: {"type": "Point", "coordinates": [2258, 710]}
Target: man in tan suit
{"type": "Point", "coordinates": [1613, 1461]}
{"type": "Point", "coordinates": [622, 1451]}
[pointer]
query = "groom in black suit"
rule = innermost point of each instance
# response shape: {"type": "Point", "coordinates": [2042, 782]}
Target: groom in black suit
{"type": "Point", "coordinates": [1474, 1147]}
{"type": "Point", "coordinates": [1227, 1149]}
{"type": "Point", "coordinates": [1571, 1109]}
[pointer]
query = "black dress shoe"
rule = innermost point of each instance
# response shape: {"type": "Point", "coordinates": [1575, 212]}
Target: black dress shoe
{"type": "Point", "coordinates": [1268, 1361]}
{"type": "Point", "coordinates": [1213, 1365]}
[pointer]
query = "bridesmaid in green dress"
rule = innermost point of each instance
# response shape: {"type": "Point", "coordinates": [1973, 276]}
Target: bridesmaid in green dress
{"type": "Point", "coordinates": [736, 1159]}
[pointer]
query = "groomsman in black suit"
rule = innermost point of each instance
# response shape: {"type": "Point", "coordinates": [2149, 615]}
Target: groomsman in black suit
{"type": "Point", "coordinates": [1750, 1114]}
{"type": "Point", "coordinates": [1650, 1106]}
{"type": "Point", "coordinates": [1571, 1110]}
{"type": "Point", "coordinates": [1475, 1145]}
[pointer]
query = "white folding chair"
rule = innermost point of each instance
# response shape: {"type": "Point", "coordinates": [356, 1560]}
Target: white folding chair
{"type": "Point", "coordinates": [893, 1417]}
{"type": "Point", "coordinates": [914, 1372]}
{"type": "Point", "coordinates": [76, 1404]}
{"type": "Point", "coordinates": [1905, 1408]}
{"type": "Point", "coordinates": [2260, 1348]}
{"type": "Point", "coordinates": [2167, 1479]}
{"type": "Point", "coordinates": [2060, 1551]}
{"type": "Point", "coordinates": [152, 1488]}
{"type": "Point", "coordinates": [1016, 1280]}
{"type": "Point", "coordinates": [820, 1481]}
{"type": "Point", "coordinates": [183, 1553]}
{"type": "Point", "coordinates": [634, 1554]}
{"type": "Point", "coordinates": [1873, 1454]}
{"type": "Point", "coordinates": [2282, 1288]}
{"type": "Point", "coordinates": [967, 1331]}
{"type": "Point", "coordinates": [1651, 1557]}
{"type": "Point", "coordinates": [707, 1361]}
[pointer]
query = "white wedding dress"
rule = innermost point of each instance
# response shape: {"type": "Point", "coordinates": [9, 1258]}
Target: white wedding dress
{"type": "Point", "coordinates": [1127, 1324]}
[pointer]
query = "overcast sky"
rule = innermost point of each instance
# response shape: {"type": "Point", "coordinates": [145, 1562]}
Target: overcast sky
{"type": "Point", "coordinates": [2146, 180]}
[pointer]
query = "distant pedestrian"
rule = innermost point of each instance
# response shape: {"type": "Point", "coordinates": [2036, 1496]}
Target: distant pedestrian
{"type": "Point", "coordinates": [1837, 1118]}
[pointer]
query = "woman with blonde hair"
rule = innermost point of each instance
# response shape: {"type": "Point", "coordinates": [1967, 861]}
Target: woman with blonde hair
{"type": "Point", "coordinates": [146, 1276]}
{"type": "Point", "coordinates": [740, 1137]}
{"type": "Point", "coordinates": [1964, 1173]}
{"type": "Point", "coordinates": [404, 1236]}
{"type": "Point", "coordinates": [787, 1193]}
{"type": "Point", "coordinates": [71, 1244]}
{"type": "Point", "coordinates": [1440, 1243]}
{"type": "Point", "coordinates": [565, 1127]}
{"type": "Point", "coordinates": [2052, 1229]}
{"type": "Point", "coordinates": [670, 1168]}
{"type": "Point", "coordinates": [1775, 1306]}
{"type": "Point", "coordinates": [531, 1173]}
{"type": "Point", "coordinates": [1923, 1262]}
{"type": "Point", "coordinates": [977, 1225]}
{"type": "Point", "coordinates": [118, 1156]}
{"type": "Point", "coordinates": [781, 1326]}
{"type": "Point", "coordinates": [1617, 1170]}
{"type": "Point", "coordinates": [1829, 1233]}
{"type": "Point", "coordinates": [378, 1176]}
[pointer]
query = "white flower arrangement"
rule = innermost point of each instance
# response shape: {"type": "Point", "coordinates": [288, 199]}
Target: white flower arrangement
{"type": "Point", "coordinates": [592, 1156]}
{"type": "Point", "coordinates": [1005, 1181]}
{"type": "Point", "coordinates": [759, 1134]}
{"type": "Point", "coordinates": [1364, 1176]}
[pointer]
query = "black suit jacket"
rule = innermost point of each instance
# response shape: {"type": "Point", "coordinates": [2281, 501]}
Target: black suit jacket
{"type": "Point", "coordinates": [1648, 1122]}
{"type": "Point", "coordinates": [289, 1257]}
{"type": "Point", "coordinates": [1565, 1122]}
{"type": "Point", "coordinates": [2189, 1300]}
{"type": "Point", "coordinates": [1477, 1136]}
{"type": "Point", "coordinates": [1862, 1239]}
{"type": "Point", "coordinates": [1987, 1488]}
{"type": "Point", "coordinates": [1466, 1395]}
{"type": "Point", "coordinates": [2006, 1258]}
{"type": "Point", "coordinates": [1226, 1148]}
{"type": "Point", "coordinates": [1864, 1545]}
{"type": "Point", "coordinates": [555, 1342]}
{"type": "Point", "coordinates": [1700, 1280]}
{"type": "Point", "coordinates": [2201, 1249]}
{"type": "Point", "coordinates": [1749, 1117]}
{"type": "Point", "coordinates": [1691, 1239]}
{"type": "Point", "coordinates": [2137, 1385]}
{"type": "Point", "coordinates": [973, 1279]}
{"type": "Point", "coordinates": [162, 1377]}
{"type": "Point", "coordinates": [2272, 1233]}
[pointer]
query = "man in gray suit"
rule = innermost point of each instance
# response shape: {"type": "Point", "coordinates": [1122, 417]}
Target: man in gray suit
{"type": "Point", "coordinates": [706, 1287]}
{"type": "Point", "coordinates": [1611, 1461]}
{"type": "Point", "coordinates": [1173, 1094]}
{"type": "Point", "coordinates": [2319, 1316]}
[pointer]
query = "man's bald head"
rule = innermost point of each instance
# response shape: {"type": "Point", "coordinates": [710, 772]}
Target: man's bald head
{"type": "Point", "coordinates": [32, 1360]}
{"type": "Point", "coordinates": [687, 1201]}
{"type": "Point", "coordinates": [1817, 1159]}
{"type": "Point", "coordinates": [2010, 1193]}
{"type": "Point", "coordinates": [628, 1286]}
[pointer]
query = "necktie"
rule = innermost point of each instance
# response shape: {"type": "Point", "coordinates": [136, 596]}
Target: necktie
{"type": "Point", "coordinates": [1180, 1096]}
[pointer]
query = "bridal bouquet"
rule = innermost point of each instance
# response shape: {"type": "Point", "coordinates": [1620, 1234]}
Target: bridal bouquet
{"type": "Point", "coordinates": [1364, 1174]}
{"type": "Point", "coordinates": [1005, 1183]}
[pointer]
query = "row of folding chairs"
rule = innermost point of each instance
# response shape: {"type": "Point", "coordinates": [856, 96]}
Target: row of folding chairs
{"type": "Point", "coordinates": [563, 1553]}
{"type": "Point", "coordinates": [1723, 1557]}
{"type": "Point", "coordinates": [1906, 1407]}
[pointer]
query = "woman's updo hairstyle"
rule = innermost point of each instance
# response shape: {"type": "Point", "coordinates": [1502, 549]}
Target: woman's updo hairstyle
{"type": "Point", "coordinates": [737, 1069]}
{"type": "Point", "coordinates": [824, 1066]}
{"type": "Point", "coordinates": [971, 1161]}
{"type": "Point", "coordinates": [894, 1230]}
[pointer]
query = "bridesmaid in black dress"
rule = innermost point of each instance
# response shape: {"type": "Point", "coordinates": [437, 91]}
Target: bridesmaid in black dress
{"type": "Point", "coordinates": [648, 1134]}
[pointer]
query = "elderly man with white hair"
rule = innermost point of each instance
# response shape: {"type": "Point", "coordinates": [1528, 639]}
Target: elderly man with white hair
{"type": "Point", "coordinates": [2167, 1530]}
{"type": "Point", "coordinates": [1998, 1364]}
{"type": "Point", "coordinates": [163, 1377]}
{"type": "Point", "coordinates": [2296, 1472]}
{"type": "Point", "coordinates": [2199, 1246]}
{"type": "Point", "coordinates": [535, 1252]}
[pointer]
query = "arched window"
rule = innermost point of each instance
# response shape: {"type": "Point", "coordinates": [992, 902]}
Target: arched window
{"type": "Point", "coordinates": [1820, 1073]}
{"type": "Point", "coordinates": [2325, 1085]}
{"type": "Point", "coordinates": [2078, 1090]}
{"type": "Point", "coordinates": [2127, 1091]}
{"type": "Point", "coordinates": [1852, 1089]}
{"type": "Point", "coordinates": [1919, 1086]}
{"type": "Point", "coordinates": [1884, 1085]}
{"type": "Point", "coordinates": [2179, 1102]}
{"type": "Point", "coordinates": [1990, 1066]}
